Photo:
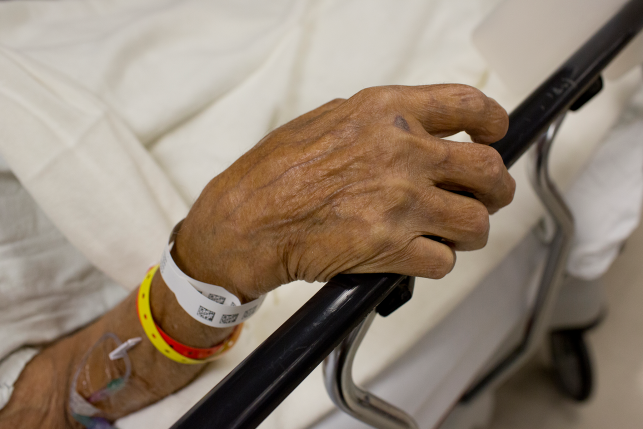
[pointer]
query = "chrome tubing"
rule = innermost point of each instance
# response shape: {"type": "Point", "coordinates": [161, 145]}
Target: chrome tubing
{"type": "Point", "coordinates": [554, 269]}
{"type": "Point", "coordinates": [364, 406]}
{"type": "Point", "coordinates": [560, 245]}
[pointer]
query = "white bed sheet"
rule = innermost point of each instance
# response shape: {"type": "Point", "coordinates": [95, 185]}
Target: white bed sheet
{"type": "Point", "coordinates": [146, 100]}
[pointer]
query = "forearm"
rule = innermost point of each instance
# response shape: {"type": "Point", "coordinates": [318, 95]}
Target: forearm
{"type": "Point", "coordinates": [40, 398]}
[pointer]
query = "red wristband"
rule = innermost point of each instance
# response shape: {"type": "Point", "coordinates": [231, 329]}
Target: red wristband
{"type": "Point", "coordinates": [200, 354]}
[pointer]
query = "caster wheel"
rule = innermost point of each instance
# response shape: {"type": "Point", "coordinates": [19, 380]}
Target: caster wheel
{"type": "Point", "coordinates": [572, 364]}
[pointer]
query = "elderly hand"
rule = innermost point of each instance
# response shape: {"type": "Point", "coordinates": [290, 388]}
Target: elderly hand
{"type": "Point", "coordinates": [355, 186]}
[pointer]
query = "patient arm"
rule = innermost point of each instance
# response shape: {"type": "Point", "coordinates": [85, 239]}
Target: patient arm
{"type": "Point", "coordinates": [355, 186]}
{"type": "Point", "coordinates": [42, 390]}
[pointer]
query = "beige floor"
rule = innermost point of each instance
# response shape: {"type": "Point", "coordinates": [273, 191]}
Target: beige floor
{"type": "Point", "coordinates": [529, 400]}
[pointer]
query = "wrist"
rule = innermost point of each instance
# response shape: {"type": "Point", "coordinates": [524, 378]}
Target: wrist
{"type": "Point", "coordinates": [201, 252]}
{"type": "Point", "coordinates": [177, 323]}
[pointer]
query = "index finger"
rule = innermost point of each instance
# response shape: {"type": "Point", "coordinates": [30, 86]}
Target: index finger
{"type": "Point", "coordinates": [447, 109]}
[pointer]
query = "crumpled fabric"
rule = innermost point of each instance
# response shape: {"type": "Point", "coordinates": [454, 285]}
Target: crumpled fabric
{"type": "Point", "coordinates": [11, 368]}
{"type": "Point", "coordinates": [115, 113]}
{"type": "Point", "coordinates": [606, 198]}
{"type": "Point", "coordinates": [47, 287]}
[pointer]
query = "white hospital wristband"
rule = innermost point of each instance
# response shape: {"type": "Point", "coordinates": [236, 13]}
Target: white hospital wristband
{"type": "Point", "coordinates": [209, 304]}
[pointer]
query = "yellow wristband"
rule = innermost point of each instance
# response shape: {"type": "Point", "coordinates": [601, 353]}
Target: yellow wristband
{"type": "Point", "coordinates": [153, 334]}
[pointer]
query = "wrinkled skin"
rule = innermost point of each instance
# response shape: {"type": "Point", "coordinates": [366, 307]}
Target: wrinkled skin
{"type": "Point", "coordinates": [355, 186]}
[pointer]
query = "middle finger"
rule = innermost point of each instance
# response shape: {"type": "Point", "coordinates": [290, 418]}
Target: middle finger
{"type": "Point", "coordinates": [470, 167]}
{"type": "Point", "coordinates": [459, 220]}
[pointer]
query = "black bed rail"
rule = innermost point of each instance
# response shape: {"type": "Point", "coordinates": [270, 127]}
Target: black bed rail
{"type": "Point", "coordinates": [261, 382]}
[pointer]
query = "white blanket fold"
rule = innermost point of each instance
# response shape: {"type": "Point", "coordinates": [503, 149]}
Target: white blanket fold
{"type": "Point", "coordinates": [76, 159]}
{"type": "Point", "coordinates": [115, 113]}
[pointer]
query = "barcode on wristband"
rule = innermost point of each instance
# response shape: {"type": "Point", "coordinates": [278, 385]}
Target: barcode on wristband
{"type": "Point", "coordinates": [229, 318]}
{"type": "Point", "coordinates": [249, 312]}
{"type": "Point", "coordinates": [206, 314]}
{"type": "Point", "coordinates": [216, 298]}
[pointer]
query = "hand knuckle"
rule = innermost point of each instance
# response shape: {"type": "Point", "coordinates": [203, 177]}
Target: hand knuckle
{"type": "Point", "coordinates": [493, 166]}
{"type": "Point", "coordinates": [437, 151]}
{"type": "Point", "coordinates": [377, 98]}
{"type": "Point", "coordinates": [472, 98]}
{"type": "Point", "coordinates": [443, 264]}
{"type": "Point", "coordinates": [511, 191]}
{"type": "Point", "coordinates": [478, 223]}
{"type": "Point", "coordinates": [499, 123]}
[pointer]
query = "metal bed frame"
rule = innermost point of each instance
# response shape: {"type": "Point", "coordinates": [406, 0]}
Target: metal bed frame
{"type": "Point", "coordinates": [333, 322]}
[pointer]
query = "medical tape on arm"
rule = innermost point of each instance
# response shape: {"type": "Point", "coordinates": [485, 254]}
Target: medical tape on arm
{"type": "Point", "coordinates": [209, 304]}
